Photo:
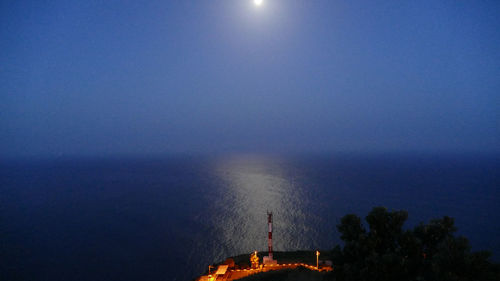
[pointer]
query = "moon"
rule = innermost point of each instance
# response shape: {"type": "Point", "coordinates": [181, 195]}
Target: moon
{"type": "Point", "coordinates": [258, 2]}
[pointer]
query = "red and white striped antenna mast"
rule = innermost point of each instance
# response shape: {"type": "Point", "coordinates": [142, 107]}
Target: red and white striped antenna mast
{"type": "Point", "coordinates": [270, 238]}
{"type": "Point", "coordinates": [269, 259]}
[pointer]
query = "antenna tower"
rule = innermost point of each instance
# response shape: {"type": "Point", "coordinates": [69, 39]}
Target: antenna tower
{"type": "Point", "coordinates": [270, 238]}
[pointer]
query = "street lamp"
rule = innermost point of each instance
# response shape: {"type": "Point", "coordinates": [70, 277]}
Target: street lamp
{"type": "Point", "coordinates": [317, 260]}
{"type": "Point", "coordinates": [210, 277]}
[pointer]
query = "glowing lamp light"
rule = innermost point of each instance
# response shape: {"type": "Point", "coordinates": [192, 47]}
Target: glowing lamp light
{"type": "Point", "coordinates": [258, 2]}
{"type": "Point", "coordinates": [317, 261]}
{"type": "Point", "coordinates": [254, 260]}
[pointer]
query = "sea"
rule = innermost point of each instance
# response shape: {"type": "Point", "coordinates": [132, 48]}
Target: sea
{"type": "Point", "coordinates": [170, 217]}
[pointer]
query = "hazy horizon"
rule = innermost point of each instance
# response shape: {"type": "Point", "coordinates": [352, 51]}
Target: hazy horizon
{"type": "Point", "coordinates": [162, 77]}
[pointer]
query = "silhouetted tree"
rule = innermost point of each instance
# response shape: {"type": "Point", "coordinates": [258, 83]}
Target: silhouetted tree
{"type": "Point", "coordinates": [387, 252]}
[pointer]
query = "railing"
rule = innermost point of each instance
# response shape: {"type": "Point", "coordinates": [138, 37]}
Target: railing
{"type": "Point", "coordinates": [270, 267]}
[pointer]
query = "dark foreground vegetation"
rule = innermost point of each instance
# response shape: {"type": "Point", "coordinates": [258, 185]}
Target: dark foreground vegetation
{"type": "Point", "coordinates": [385, 251]}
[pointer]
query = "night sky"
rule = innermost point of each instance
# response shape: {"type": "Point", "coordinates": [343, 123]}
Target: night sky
{"type": "Point", "coordinates": [83, 78]}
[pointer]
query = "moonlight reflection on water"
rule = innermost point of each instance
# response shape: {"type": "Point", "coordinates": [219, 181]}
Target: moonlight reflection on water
{"type": "Point", "coordinates": [250, 187]}
{"type": "Point", "coordinates": [239, 191]}
{"type": "Point", "coordinates": [253, 186]}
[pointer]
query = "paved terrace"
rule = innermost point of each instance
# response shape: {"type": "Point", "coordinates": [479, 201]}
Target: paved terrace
{"type": "Point", "coordinates": [234, 274]}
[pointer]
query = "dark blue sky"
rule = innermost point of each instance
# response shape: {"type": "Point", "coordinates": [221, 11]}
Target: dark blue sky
{"type": "Point", "coordinates": [148, 77]}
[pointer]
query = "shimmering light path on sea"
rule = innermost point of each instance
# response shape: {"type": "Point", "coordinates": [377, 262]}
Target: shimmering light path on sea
{"type": "Point", "coordinates": [255, 185]}
{"type": "Point", "coordinates": [249, 186]}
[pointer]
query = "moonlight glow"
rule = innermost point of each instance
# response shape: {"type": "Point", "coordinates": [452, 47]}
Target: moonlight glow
{"type": "Point", "coordinates": [258, 2]}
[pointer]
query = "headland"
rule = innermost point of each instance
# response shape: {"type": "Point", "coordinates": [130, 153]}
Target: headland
{"type": "Point", "coordinates": [241, 266]}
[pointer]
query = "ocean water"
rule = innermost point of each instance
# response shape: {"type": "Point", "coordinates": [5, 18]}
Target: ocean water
{"type": "Point", "coordinates": [169, 218]}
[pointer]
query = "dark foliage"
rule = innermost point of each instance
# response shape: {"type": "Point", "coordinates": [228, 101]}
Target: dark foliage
{"type": "Point", "coordinates": [387, 252]}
